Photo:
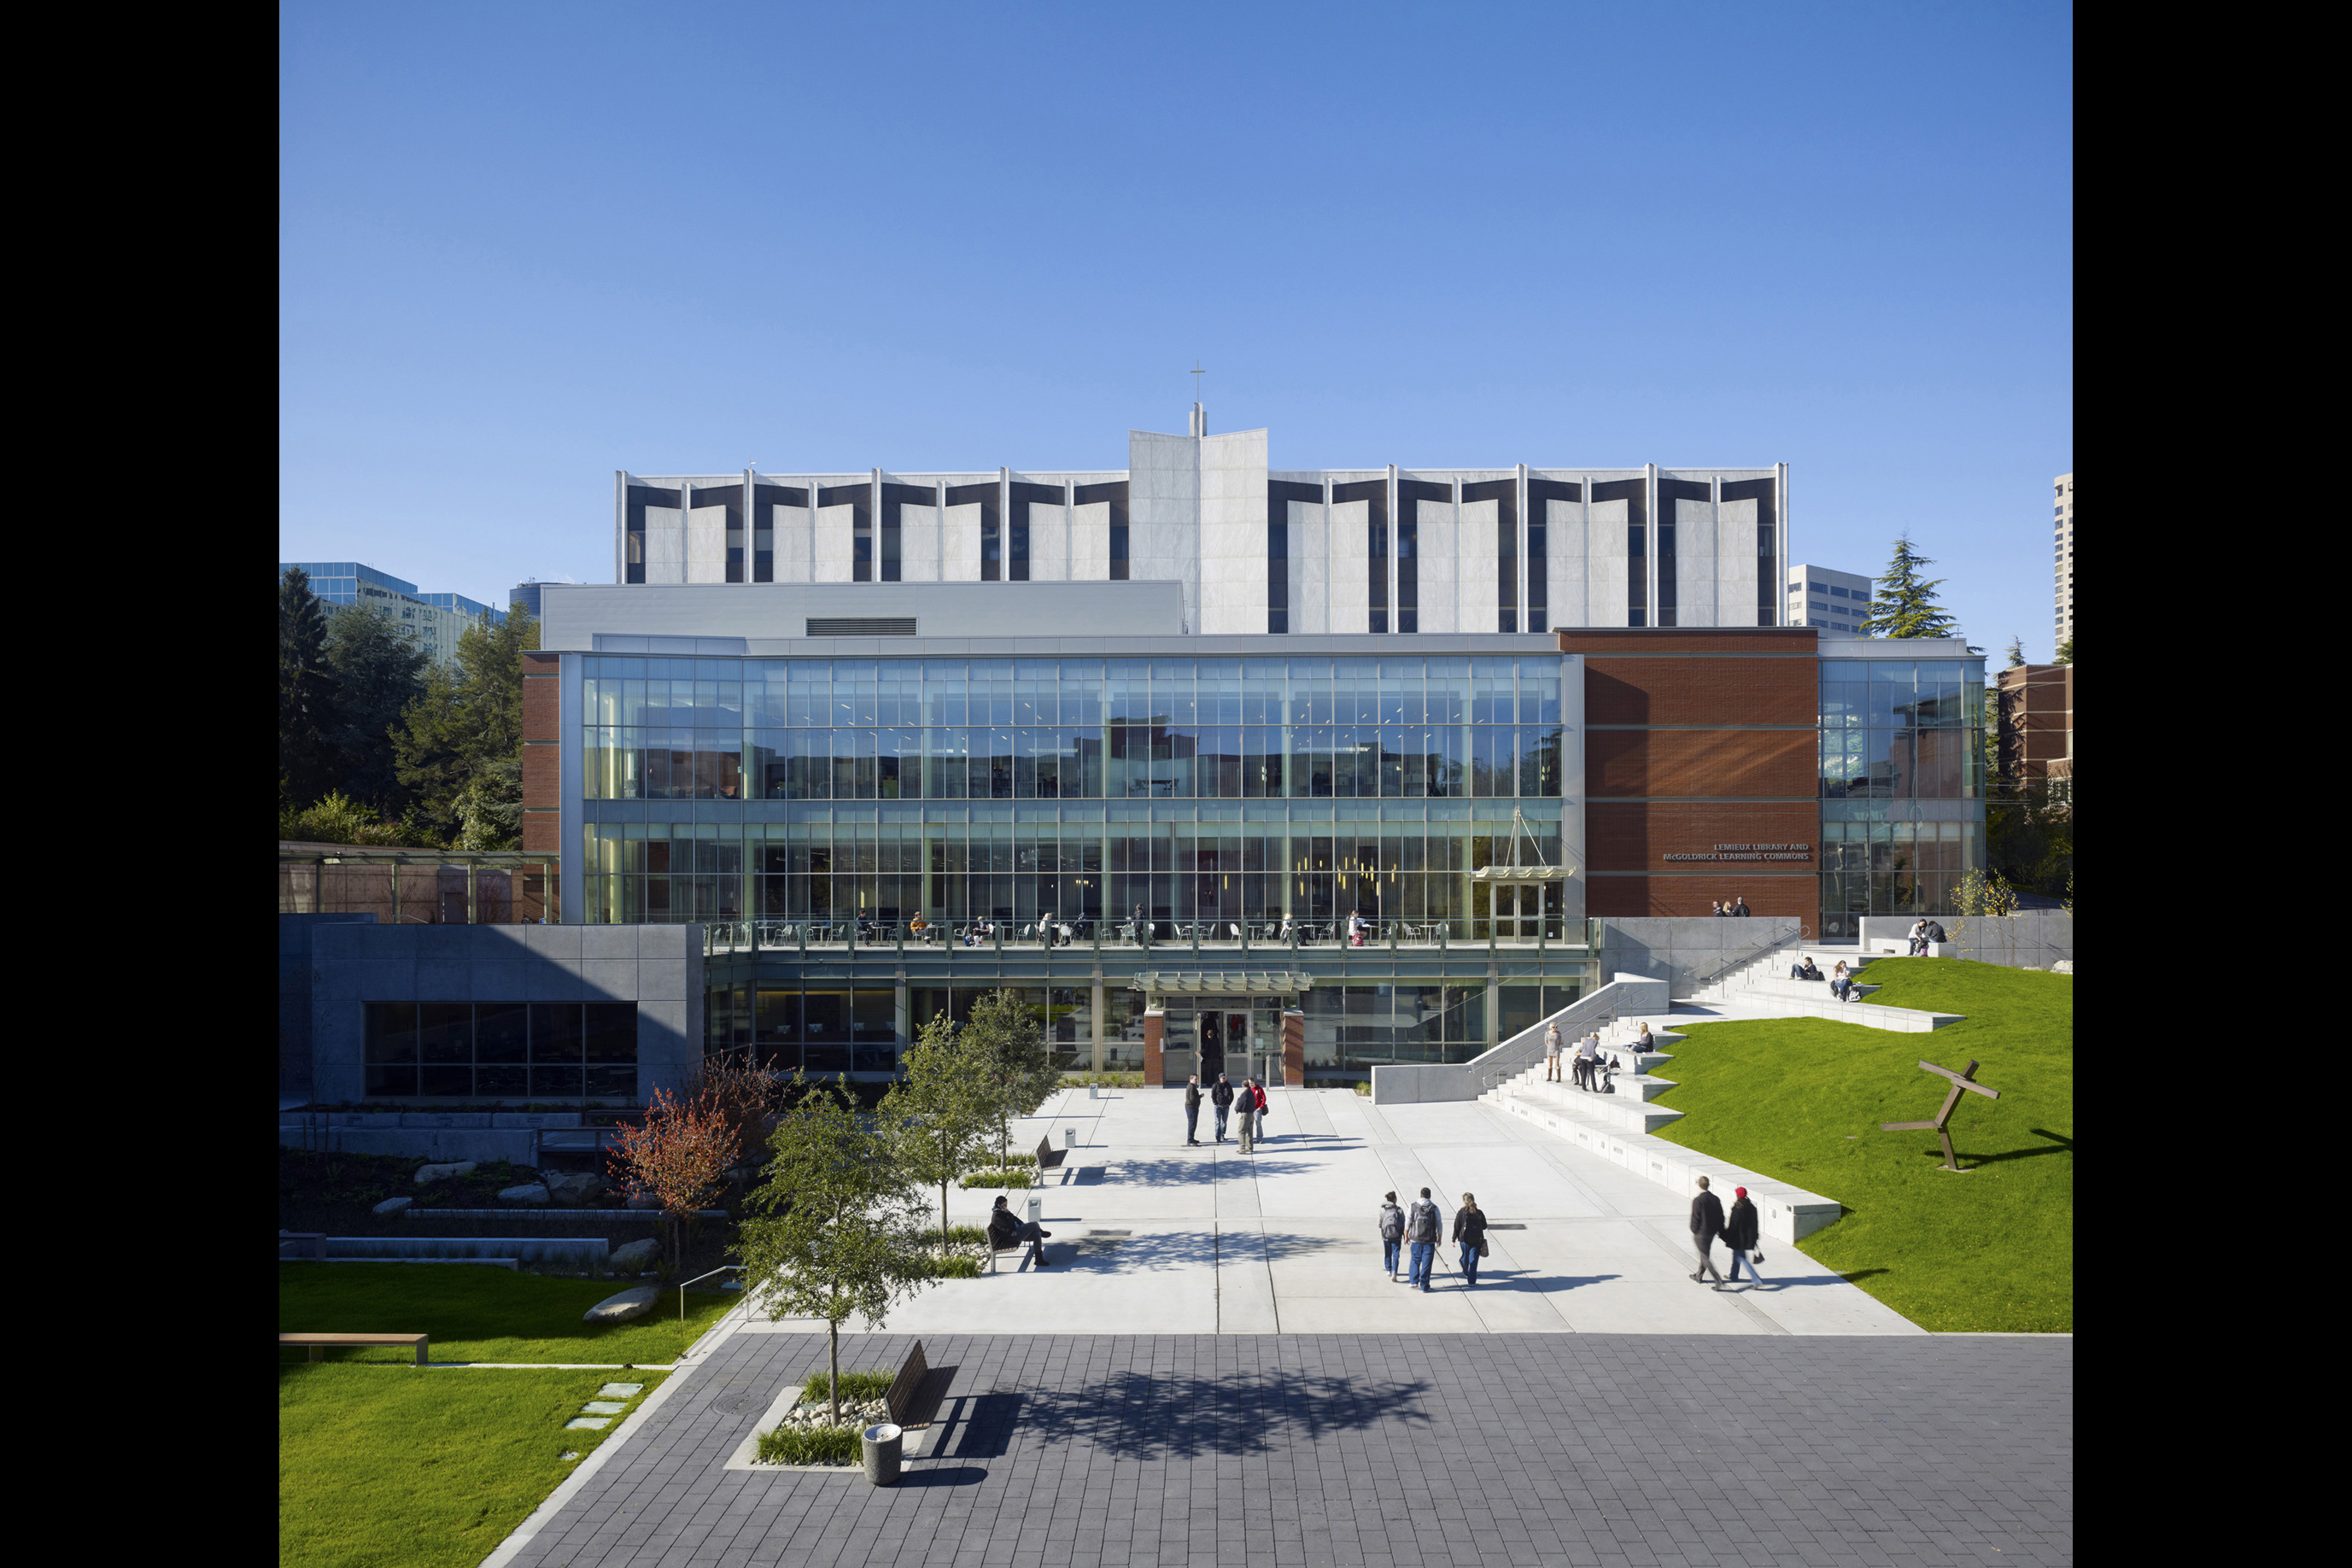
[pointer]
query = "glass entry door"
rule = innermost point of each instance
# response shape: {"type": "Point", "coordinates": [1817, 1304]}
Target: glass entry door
{"type": "Point", "coordinates": [1240, 1036]}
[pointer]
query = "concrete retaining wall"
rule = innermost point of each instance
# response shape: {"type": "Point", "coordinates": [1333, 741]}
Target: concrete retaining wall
{"type": "Point", "coordinates": [1420, 1083]}
{"type": "Point", "coordinates": [1685, 951]}
{"type": "Point", "coordinates": [554, 1252]}
{"type": "Point", "coordinates": [2035, 939]}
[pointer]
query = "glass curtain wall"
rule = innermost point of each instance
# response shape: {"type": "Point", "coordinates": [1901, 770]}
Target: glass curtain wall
{"type": "Point", "coordinates": [1903, 784]}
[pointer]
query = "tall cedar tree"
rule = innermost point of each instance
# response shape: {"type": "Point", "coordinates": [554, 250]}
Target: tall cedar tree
{"type": "Point", "coordinates": [306, 692]}
{"type": "Point", "coordinates": [942, 1109]}
{"type": "Point", "coordinates": [378, 673]}
{"type": "Point", "coordinates": [1007, 1050]}
{"type": "Point", "coordinates": [843, 1229]}
{"type": "Point", "coordinates": [2016, 652]}
{"type": "Point", "coordinates": [1905, 605]}
{"type": "Point", "coordinates": [461, 743]}
{"type": "Point", "coordinates": [2066, 654]}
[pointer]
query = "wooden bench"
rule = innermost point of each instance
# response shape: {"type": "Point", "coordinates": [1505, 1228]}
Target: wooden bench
{"type": "Point", "coordinates": [1049, 1157]}
{"type": "Point", "coordinates": [316, 1344]}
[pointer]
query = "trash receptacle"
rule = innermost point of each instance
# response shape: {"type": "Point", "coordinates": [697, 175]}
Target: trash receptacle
{"type": "Point", "coordinates": [885, 1445]}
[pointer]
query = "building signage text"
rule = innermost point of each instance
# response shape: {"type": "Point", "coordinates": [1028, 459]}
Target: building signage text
{"type": "Point", "coordinates": [1753, 852]}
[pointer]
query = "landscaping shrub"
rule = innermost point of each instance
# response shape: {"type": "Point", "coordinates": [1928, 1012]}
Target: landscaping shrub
{"type": "Point", "coordinates": [953, 1268]}
{"type": "Point", "coordinates": [999, 1179]}
{"type": "Point", "coordinates": [1105, 1080]}
{"type": "Point", "coordinates": [967, 1235]}
{"type": "Point", "coordinates": [854, 1385]}
{"type": "Point", "coordinates": [811, 1444]}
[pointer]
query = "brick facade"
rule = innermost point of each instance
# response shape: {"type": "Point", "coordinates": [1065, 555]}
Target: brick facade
{"type": "Point", "coordinates": [1695, 738]}
{"type": "Point", "coordinates": [542, 753]}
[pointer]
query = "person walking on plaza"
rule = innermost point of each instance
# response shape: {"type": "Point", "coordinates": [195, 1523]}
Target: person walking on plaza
{"type": "Point", "coordinates": [1005, 1232]}
{"type": "Point", "coordinates": [1392, 1232]}
{"type": "Point", "coordinates": [1248, 1120]}
{"type": "Point", "coordinates": [1551, 1053]}
{"type": "Point", "coordinates": [1707, 1223]}
{"type": "Point", "coordinates": [1221, 1095]}
{"type": "Point", "coordinates": [1421, 1229]}
{"type": "Point", "coordinates": [1739, 1233]}
{"type": "Point", "coordinates": [1193, 1112]}
{"type": "Point", "coordinates": [1470, 1231]}
{"type": "Point", "coordinates": [1258, 1107]}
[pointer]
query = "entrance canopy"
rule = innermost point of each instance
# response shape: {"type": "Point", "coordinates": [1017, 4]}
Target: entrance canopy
{"type": "Point", "coordinates": [1191, 982]}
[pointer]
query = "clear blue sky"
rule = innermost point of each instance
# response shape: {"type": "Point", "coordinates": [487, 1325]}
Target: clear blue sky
{"type": "Point", "coordinates": [525, 245]}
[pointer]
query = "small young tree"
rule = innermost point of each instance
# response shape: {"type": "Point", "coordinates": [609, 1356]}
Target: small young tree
{"type": "Point", "coordinates": [681, 1155]}
{"type": "Point", "coordinates": [1007, 1049]}
{"type": "Point", "coordinates": [940, 1110]}
{"type": "Point", "coordinates": [1904, 604]}
{"type": "Point", "coordinates": [843, 1229]}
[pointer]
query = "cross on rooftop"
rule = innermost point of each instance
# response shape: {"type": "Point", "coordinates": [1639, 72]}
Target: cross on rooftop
{"type": "Point", "coordinates": [1963, 1081]}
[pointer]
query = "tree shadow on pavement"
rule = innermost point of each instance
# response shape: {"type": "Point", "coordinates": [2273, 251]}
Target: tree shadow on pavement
{"type": "Point", "coordinates": [1143, 1417]}
{"type": "Point", "coordinates": [1153, 1250]}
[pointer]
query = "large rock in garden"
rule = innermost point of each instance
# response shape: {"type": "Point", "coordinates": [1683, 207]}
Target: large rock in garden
{"type": "Point", "coordinates": [528, 1192]}
{"type": "Point", "coordinates": [393, 1205]}
{"type": "Point", "coordinates": [635, 1257]}
{"type": "Point", "coordinates": [572, 1188]}
{"type": "Point", "coordinates": [625, 1308]}
{"type": "Point", "coordinates": [443, 1172]}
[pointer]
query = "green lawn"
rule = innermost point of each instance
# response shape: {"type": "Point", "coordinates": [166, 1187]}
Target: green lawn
{"type": "Point", "coordinates": [420, 1468]}
{"type": "Point", "coordinates": [1802, 1099]}
{"type": "Point", "coordinates": [482, 1314]}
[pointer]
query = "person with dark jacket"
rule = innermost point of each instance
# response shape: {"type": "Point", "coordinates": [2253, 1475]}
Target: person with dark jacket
{"type": "Point", "coordinates": [1739, 1233]}
{"type": "Point", "coordinates": [1391, 1231]}
{"type": "Point", "coordinates": [1259, 1106]}
{"type": "Point", "coordinates": [1739, 907]}
{"type": "Point", "coordinates": [1193, 1112]}
{"type": "Point", "coordinates": [1707, 1223]}
{"type": "Point", "coordinates": [1470, 1230]}
{"type": "Point", "coordinates": [1421, 1229]}
{"type": "Point", "coordinates": [1005, 1232]}
{"type": "Point", "coordinates": [1221, 1095]}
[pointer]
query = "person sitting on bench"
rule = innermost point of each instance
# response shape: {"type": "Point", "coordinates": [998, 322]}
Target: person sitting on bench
{"type": "Point", "coordinates": [1005, 1232]}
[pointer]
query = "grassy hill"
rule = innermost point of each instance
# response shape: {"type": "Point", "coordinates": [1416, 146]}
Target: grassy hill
{"type": "Point", "coordinates": [1802, 1098]}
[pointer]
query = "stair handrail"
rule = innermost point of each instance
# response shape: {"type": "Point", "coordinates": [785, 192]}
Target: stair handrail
{"type": "Point", "coordinates": [1802, 934]}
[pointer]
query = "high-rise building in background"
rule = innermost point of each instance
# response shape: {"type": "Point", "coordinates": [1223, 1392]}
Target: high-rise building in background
{"type": "Point", "coordinates": [1337, 552]}
{"type": "Point", "coordinates": [2063, 554]}
{"type": "Point", "coordinates": [433, 621]}
{"type": "Point", "coordinates": [1833, 600]}
{"type": "Point", "coordinates": [524, 595]}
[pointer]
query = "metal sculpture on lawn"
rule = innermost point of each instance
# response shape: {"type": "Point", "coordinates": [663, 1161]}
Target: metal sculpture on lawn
{"type": "Point", "coordinates": [1963, 1081]}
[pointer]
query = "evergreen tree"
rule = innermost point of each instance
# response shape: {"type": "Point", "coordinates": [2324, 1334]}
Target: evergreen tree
{"type": "Point", "coordinates": [2016, 652]}
{"type": "Point", "coordinates": [1904, 604]}
{"type": "Point", "coordinates": [378, 673]}
{"type": "Point", "coordinates": [2066, 654]}
{"type": "Point", "coordinates": [306, 691]}
{"type": "Point", "coordinates": [460, 742]}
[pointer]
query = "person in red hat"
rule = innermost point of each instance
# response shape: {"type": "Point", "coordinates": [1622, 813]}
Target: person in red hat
{"type": "Point", "coordinates": [1740, 1230]}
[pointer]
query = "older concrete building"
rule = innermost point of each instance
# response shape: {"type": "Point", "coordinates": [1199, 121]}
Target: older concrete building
{"type": "Point", "coordinates": [1257, 550]}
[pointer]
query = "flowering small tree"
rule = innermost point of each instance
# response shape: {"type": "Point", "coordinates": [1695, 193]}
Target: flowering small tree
{"type": "Point", "coordinates": [680, 1155]}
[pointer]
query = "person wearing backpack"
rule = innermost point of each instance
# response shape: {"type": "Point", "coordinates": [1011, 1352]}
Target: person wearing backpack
{"type": "Point", "coordinates": [1470, 1230]}
{"type": "Point", "coordinates": [1935, 932]}
{"type": "Point", "coordinates": [1421, 1229]}
{"type": "Point", "coordinates": [1220, 1096]}
{"type": "Point", "coordinates": [1391, 1231]}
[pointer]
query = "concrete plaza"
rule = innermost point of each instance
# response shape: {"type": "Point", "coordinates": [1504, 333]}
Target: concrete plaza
{"type": "Point", "coordinates": [1154, 1237]}
{"type": "Point", "coordinates": [1216, 1370]}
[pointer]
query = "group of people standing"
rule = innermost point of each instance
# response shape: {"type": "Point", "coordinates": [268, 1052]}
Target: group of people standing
{"type": "Point", "coordinates": [1738, 906]}
{"type": "Point", "coordinates": [1587, 1060]}
{"type": "Point", "coordinates": [1418, 1228]}
{"type": "Point", "coordinates": [1222, 1096]}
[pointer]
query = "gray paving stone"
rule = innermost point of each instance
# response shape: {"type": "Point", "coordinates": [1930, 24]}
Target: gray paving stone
{"type": "Point", "coordinates": [1641, 1450]}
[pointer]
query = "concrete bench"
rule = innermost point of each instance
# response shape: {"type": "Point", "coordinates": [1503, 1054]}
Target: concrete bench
{"type": "Point", "coordinates": [318, 1344]}
{"type": "Point", "coordinates": [309, 1244]}
{"type": "Point", "coordinates": [1901, 946]}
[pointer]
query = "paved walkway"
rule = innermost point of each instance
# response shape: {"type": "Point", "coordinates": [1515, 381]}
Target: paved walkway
{"type": "Point", "coordinates": [1208, 1240]}
{"type": "Point", "coordinates": [1395, 1451]}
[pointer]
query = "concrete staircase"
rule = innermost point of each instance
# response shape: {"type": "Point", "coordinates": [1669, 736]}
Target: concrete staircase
{"type": "Point", "coordinates": [1761, 988]}
{"type": "Point", "coordinates": [1620, 1128]}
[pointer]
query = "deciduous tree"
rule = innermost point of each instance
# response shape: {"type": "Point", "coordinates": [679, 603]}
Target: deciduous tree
{"type": "Point", "coordinates": [680, 1154]}
{"type": "Point", "coordinates": [842, 1228]}
{"type": "Point", "coordinates": [1007, 1050]}
{"type": "Point", "coordinates": [940, 1110]}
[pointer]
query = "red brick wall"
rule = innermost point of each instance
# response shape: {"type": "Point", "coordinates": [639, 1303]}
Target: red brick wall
{"type": "Point", "coordinates": [1700, 676]}
{"type": "Point", "coordinates": [543, 754]}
